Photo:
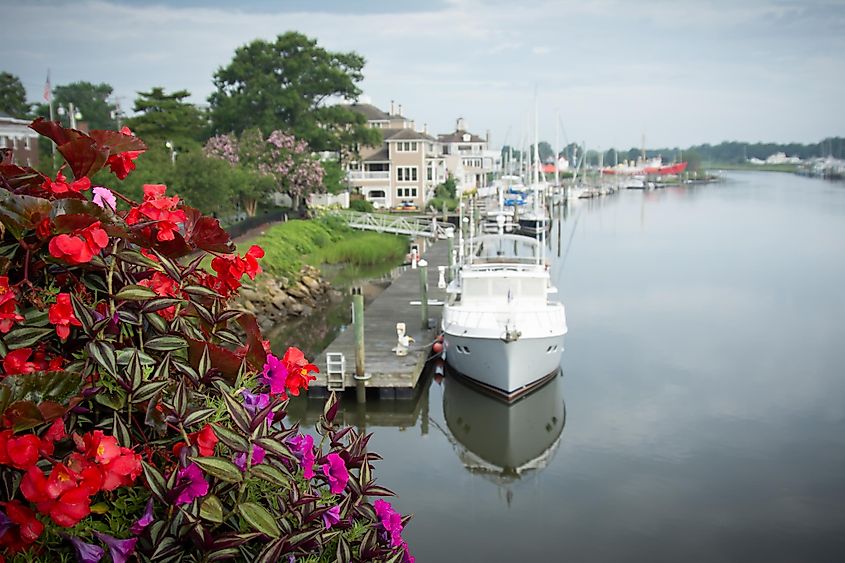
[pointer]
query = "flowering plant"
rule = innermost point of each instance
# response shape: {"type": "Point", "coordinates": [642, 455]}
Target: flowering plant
{"type": "Point", "coordinates": [140, 414]}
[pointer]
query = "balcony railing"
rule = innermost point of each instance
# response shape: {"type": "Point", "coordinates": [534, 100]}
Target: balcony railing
{"type": "Point", "coordinates": [369, 175]}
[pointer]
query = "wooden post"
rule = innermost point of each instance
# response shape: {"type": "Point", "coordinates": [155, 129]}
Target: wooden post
{"type": "Point", "coordinates": [445, 215]}
{"type": "Point", "coordinates": [358, 327]}
{"type": "Point", "coordinates": [423, 269]}
{"type": "Point", "coordinates": [450, 259]}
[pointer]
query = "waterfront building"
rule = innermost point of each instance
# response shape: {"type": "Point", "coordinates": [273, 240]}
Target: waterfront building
{"type": "Point", "coordinates": [16, 135]}
{"type": "Point", "coordinates": [468, 157]}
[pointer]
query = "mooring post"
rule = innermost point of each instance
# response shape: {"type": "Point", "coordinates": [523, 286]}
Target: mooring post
{"type": "Point", "coordinates": [358, 327]}
{"type": "Point", "coordinates": [450, 261]}
{"type": "Point", "coordinates": [423, 268]}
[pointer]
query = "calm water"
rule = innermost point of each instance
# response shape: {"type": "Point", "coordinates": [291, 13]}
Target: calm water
{"type": "Point", "coordinates": [701, 414]}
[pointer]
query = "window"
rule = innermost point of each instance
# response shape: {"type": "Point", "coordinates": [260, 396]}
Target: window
{"type": "Point", "coordinates": [406, 192]}
{"type": "Point", "coordinates": [406, 146]}
{"type": "Point", "coordinates": [406, 173]}
{"type": "Point", "coordinates": [429, 175]}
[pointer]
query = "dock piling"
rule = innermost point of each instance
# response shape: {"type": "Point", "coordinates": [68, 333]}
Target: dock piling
{"type": "Point", "coordinates": [358, 327]}
{"type": "Point", "coordinates": [423, 269]}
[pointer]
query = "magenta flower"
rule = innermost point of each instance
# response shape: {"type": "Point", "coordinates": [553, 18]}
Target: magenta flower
{"type": "Point", "coordinates": [303, 449]}
{"type": "Point", "coordinates": [331, 517]}
{"type": "Point", "coordinates": [86, 552]}
{"type": "Point", "coordinates": [191, 484]}
{"type": "Point", "coordinates": [275, 375]}
{"type": "Point", "coordinates": [103, 197]}
{"type": "Point", "coordinates": [254, 402]}
{"type": "Point", "coordinates": [336, 471]}
{"type": "Point", "coordinates": [145, 519]}
{"type": "Point", "coordinates": [257, 457]}
{"type": "Point", "coordinates": [120, 550]}
{"type": "Point", "coordinates": [390, 520]}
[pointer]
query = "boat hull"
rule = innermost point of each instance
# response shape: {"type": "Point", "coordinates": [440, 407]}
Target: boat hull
{"type": "Point", "coordinates": [509, 369]}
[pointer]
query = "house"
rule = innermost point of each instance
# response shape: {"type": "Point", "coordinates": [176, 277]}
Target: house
{"type": "Point", "coordinates": [16, 135]}
{"type": "Point", "coordinates": [402, 172]}
{"type": "Point", "coordinates": [467, 157]}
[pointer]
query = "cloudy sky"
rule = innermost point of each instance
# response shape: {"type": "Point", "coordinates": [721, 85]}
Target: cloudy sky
{"type": "Point", "coordinates": [679, 72]}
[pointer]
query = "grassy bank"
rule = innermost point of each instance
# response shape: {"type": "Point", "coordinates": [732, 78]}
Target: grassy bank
{"type": "Point", "coordinates": [754, 167]}
{"type": "Point", "coordinates": [288, 246]}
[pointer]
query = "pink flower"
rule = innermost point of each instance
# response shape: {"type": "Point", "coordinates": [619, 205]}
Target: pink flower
{"type": "Point", "coordinates": [191, 484]}
{"type": "Point", "coordinates": [303, 449]}
{"type": "Point", "coordinates": [390, 520]}
{"type": "Point", "coordinates": [257, 457]}
{"type": "Point", "coordinates": [336, 471]}
{"type": "Point", "coordinates": [331, 517]}
{"type": "Point", "coordinates": [103, 197]}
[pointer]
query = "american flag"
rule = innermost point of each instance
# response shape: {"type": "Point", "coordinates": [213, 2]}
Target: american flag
{"type": "Point", "coordinates": [48, 91]}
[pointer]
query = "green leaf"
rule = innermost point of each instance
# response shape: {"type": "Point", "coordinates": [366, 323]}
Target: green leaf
{"type": "Point", "coordinates": [221, 468]}
{"type": "Point", "coordinates": [155, 481]}
{"type": "Point", "coordinates": [239, 414]}
{"type": "Point", "coordinates": [135, 293]}
{"type": "Point", "coordinates": [199, 291]}
{"type": "Point", "coordinates": [19, 213]}
{"type": "Point", "coordinates": [274, 447]}
{"type": "Point", "coordinates": [114, 401]}
{"type": "Point", "coordinates": [259, 518]}
{"type": "Point", "coordinates": [82, 312]}
{"type": "Point", "coordinates": [211, 509]}
{"type": "Point", "coordinates": [103, 353]}
{"type": "Point", "coordinates": [58, 386]}
{"type": "Point", "coordinates": [25, 337]}
{"type": "Point", "coordinates": [138, 259]}
{"type": "Point", "coordinates": [120, 430]}
{"type": "Point", "coordinates": [343, 553]}
{"type": "Point", "coordinates": [157, 322]}
{"type": "Point", "coordinates": [232, 439]}
{"type": "Point", "coordinates": [198, 416]}
{"type": "Point", "coordinates": [165, 343]}
{"type": "Point", "coordinates": [148, 390]}
{"type": "Point", "coordinates": [223, 554]}
{"type": "Point", "coordinates": [270, 474]}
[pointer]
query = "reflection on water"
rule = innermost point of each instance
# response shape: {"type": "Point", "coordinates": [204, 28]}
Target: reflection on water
{"type": "Point", "coordinates": [501, 441]}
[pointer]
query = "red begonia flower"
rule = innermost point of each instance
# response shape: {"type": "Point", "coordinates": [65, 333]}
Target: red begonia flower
{"type": "Point", "coordinates": [23, 451]}
{"type": "Point", "coordinates": [205, 440]}
{"type": "Point", "coordinates": [122, 470]}
{"type": "Point", "coordinates": [122, 164]}
{"type": "Point", "coordinates": [299, 370]}
{"type": "Point", "coordinates": [61, 315]}
{"type": "Point", "coordinates": [80, 246]}
{"type": "Point", "coordinates": [99, 447]}
{"type": "Point", "coordinates": [16, 362]}
{"type": "Point", "coordinates": [8, 306]}
{"type": "Point", "coordinates": [28, 528]}
{"type": "Point", "coordinates": [160, 209]}
{"type": "Point", "coordinates": [71, 507]}
{"type": "Point", "coordinates": [61, 186]}
{"type": "Point", "coordinates": [164, 286]}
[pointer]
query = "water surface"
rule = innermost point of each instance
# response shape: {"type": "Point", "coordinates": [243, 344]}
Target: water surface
{"type": "Point", "coordinates": [701, 411]}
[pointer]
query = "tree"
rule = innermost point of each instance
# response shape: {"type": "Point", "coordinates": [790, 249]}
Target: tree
{"type": "Point", "coordinates": [284, 85]}
{"type": "Point", "coordinates": [91, 100]}
{"type": "Point", "coordinates": [12, 96]}
{"type": "Point", "coordinates": [166, 117]}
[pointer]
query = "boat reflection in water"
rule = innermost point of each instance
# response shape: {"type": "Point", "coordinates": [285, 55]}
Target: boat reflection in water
{"type": "Point", "coordinates": [504, 441]}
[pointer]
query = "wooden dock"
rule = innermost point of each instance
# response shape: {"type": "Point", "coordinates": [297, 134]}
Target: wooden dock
{"type": "Point", "coordinates": [393, 376]}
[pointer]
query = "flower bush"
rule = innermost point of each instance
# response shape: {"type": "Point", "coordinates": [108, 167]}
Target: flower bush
{"type": "Point", "coordinates": [140, 415]}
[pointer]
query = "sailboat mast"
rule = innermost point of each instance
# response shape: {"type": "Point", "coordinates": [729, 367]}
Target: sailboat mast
{"type": "Point", "coordinates": [557, 146]}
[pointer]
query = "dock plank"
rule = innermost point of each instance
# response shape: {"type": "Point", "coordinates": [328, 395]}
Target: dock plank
{"type": "Point", "coordinates": [393, 305]}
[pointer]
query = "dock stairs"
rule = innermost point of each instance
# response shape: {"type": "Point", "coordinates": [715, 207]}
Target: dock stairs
{"type": "Point", "coordinates": [335, 370]}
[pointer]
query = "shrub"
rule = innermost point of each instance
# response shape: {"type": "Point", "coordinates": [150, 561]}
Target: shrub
{"type": "Point", "coordinates": [361, 205]}
{"type": "Point", "coordinates": [134, 418]}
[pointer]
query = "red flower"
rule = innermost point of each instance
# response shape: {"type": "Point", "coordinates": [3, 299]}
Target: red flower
{"type": "Point", "coordinates": [60, 185]}
{"type": "Point", "coordinates": [80, 246]}
{"type": "Point", "coordinates": [205, 440]}
{"type": "Point", "coordinates": [16, 363]}
{"type": "Point", "coordinates": [299, 370]}
{"type": "Point", "coordinates": [4, 439]}
{"type": "Point", "coordinates": [122, 164]}
{"type": "Point", "coordinates": [164, 286]}
{"type": "Point", "coordinates": [99, 447]}
{"type": "Point", "coordinates": [61, 315]}
{"type": "Point", "coordinates": [44, 228]}
{"type": "Point", "coordinates": [160, 209]}
{"type": "Point", "coordinates": [230, 270]}
{"type": "Point", "coordinates": [71, 507]}
{"type": "Point", "coordinates": [23, 452]}
{"type": "Point", "coordinates": [8, 306]}
{"type": "Point", "coordinates": [122, 470]}
{"type": "Point", "coordinates": [27, 530]}
{"type": "Point", "coordinates": [251, 257]}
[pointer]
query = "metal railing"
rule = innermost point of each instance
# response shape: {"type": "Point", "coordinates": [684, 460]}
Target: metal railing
{"type": "Point", "coordinates": [387, 223]}
{"type": "Point", "coordinates": [369, 175]}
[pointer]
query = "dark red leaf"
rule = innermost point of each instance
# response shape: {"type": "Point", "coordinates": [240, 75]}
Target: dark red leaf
{"type": "Point", "coordinates": [84, 156]}
{"type": "Point", "coordinates": [205, 232]}
{"type": "Point", "coordinates": [23, 415]}
{"type": "Point", "coordinates": [256, 356]}
{"type": "Point", "coordinates": [222, 359]}
{"type": "Point", "coordinates": [116, 141]}
{"type": "Point", "coordinates": [54, 130]}
{"type": "Point", "coordinates": [51, 410]}
{"type": "Point", "coordinates": [20, 177]}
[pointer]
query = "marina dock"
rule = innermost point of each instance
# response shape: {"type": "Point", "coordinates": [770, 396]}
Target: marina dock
{"type": "Point", "coordinates": [392, 375]}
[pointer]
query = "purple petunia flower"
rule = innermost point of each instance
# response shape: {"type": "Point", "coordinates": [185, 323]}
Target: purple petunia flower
{"type": "Point", "coordinates": [120, 550]}
{"type": "Point", "coordinates": [254, 402]}
{"type": "Point", "coordinates": [257, 457]}
{"type": "Point", "coordinates": [331, 517]}
{"type": "Point", "coordinates": [336, 471]}
{"type": "Point", "coordinates": [145, 519]}
{"type": "Point", "coordinates": [86, 552]}
{"type": "Point", "coordinates": [191, 484]}
{"type": "Point", "coordinates": [391, 520]}
{"type": "Point", "coordinates": [5, 523]}
{"type": "Point", "coordinates": [303, 449]}
{"type": "Point", "coordinates": [275, 374]}
{"type": "Point", "coordinates": [103, 197]}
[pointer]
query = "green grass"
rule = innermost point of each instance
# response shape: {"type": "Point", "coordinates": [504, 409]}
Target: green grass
{"type": "Point", "coordinates": [363, 249]}
{"type": "Point", "coordinates": [749, 166]}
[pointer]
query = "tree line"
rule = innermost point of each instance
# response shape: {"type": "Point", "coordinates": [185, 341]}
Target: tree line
{"type": "Point", "coordinates": [273, 102]}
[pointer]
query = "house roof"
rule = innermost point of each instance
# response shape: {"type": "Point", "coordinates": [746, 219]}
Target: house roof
{"type": "Point", "coordinates": [406, 134]}
{"type": "Point", "coordinates": [371, 112]}
{"type": "Point", "coordinates": [380, 155]}
{"type": "Point", "coordinates": [458, 137]}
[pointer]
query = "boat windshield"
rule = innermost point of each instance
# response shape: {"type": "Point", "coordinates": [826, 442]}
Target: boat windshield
{"type": "Point", "coordinates": [506, 249]}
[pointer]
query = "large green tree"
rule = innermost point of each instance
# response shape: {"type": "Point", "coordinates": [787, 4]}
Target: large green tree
{"type": "Point", "coordinates": [162, 117]}
{"type": "Point", "coordinates": [13, 96]}
{"type": "Point", "coordinates": [91, 100]}
{"type": "Point", "coordinates": [287, 85]}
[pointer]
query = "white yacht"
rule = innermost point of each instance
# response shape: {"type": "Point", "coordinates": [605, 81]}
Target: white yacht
{"type": "Point", "coordinates": [500, 327]}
